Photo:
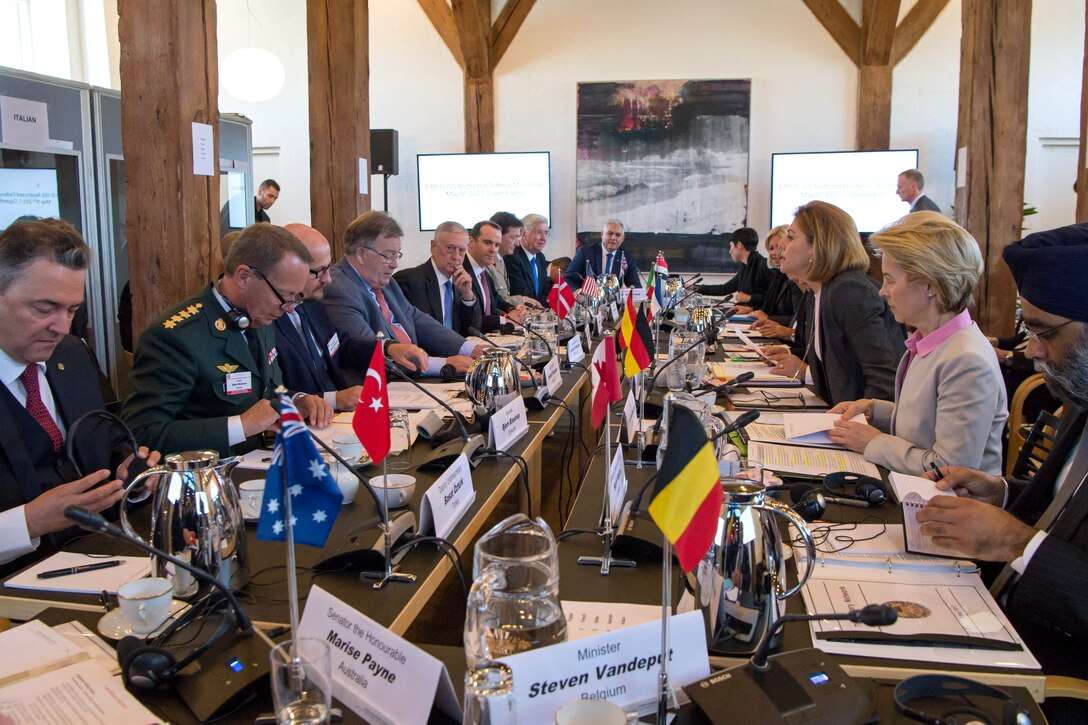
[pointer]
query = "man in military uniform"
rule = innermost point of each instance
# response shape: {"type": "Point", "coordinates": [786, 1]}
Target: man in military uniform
{"type": "Point", "coordinates": [205, 373]}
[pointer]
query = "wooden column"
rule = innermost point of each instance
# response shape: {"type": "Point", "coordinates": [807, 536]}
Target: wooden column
{"type": "Point", "coordinates": [169, 72]}
{"type": "Point", "coordinates": [994, 56]}
{"type": "Point", "coordinates": [337, 33]}
{"type": "Point", "coordinates": [1082, 163]}
{"type": "Point", "coordinates": [878, 18]}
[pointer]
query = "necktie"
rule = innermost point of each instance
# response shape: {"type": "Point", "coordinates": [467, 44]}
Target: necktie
{"type": "Point", "coordinates": [37, 409]}
{"type": "Point", "coordinates": [447, 306]}
{"type": "Point", "coordinates": [485, 292]}
{"type": "Point", "coordinates": [608, 263]}
{"type": "Point", "coordinates": [398, 331]}
{"type": "Point", "coordinates": [536, 274]}
{"type": "Point", "coordinates": [317, 359]}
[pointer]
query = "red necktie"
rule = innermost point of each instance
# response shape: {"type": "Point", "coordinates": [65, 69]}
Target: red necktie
{"type": "Point", "coordinates": [398, 331]}
{"type": "Point", "coordinates": [37, 409]}
{"type": "Point", "coordinates": [485, 292]}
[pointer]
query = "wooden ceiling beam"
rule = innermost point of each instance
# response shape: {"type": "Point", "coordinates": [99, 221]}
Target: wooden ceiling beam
{"type": "Point", "coordinates": [839, 25]}
{"type": "Point", "coordinates": [506, 27]}
{"type": "Point", "coordinates": [441, 16]}
{"type": "Point", "coordinates": [878, 19]}
{"type": "Point", "coordinates": [917, 21]}
{"type": "Point", "coordinates": [473, 37]}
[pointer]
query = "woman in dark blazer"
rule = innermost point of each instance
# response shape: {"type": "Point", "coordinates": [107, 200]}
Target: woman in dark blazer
{"type": "Point", "coordinates": [854, 343]}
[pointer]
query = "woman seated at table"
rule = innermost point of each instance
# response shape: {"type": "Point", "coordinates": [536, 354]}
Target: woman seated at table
{"type": "Point", "coordinates": [953, 401]}
{"type": "Point", "coordinates": [853, 341]}
{"type": "Point", "coordinates": [783, 295]}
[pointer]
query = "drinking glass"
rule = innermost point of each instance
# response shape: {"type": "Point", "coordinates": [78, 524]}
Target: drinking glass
{"type": "Point", "coordinates": [400, 439]}
{"type": "Point", "coordinates": [301, 682]}
{"type": "Point", "coordinates": [489, 695]}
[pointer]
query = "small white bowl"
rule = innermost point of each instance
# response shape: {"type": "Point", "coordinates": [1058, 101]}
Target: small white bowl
{"type": "Point", "coordinates": [401, 487]}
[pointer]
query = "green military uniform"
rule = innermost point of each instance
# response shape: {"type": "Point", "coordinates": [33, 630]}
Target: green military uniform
{"type": "Point", "coordinates": [192, 371]}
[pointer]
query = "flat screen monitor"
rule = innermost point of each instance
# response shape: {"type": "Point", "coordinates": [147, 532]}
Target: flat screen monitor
{"type": "Point", "coordinates": [468, 188]}
{"type": "Point", "coordinates": [28, 192]}
{"type": "Point", "coordinates": [860, 182]}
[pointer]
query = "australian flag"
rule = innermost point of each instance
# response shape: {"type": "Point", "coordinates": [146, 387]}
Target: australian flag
{"type": "Point", "coordinates": [298, 472]}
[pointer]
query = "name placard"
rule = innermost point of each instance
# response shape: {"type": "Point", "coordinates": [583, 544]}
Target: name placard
{"type": "Point", "coordinates": [637, 294]}
{"type": "Point", "coordinates": [383, 678]}
{"type": "Point", "coordinates": [575, 352]}
{"type": "Point", "coordinates": [617, 485]}
{"type": "Point", "coordinates": [509, 423]}
{"type": "Point", "coordinates": [24, 122]}
{"type": "Point", "coordinates": [620, 666]}
{"type": "Point", "coordinates": [614, 311]}
{"type": "Point", "coordinates": [630, 416]}
{"type": "Point", "coordinates": [448, 498]}
{"type": "Point", "coordinates": [553, 378]}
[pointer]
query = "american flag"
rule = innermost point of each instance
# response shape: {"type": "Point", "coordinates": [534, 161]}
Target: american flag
{"type": "Point", "coordinates": [589, 286]}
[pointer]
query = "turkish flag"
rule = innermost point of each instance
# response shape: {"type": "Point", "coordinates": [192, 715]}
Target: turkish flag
{"type": "Point", "coordinates": [561, 298]}
{"type": "Point", "coordinates": [371, 419]}
{"type": "Point", "coordinates": [606, 379]}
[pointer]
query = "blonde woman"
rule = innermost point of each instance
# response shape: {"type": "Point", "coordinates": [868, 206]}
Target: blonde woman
{"type": "Point", "coordinates": [950, 405]}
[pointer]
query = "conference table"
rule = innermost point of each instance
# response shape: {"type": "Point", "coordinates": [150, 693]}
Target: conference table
{"type": "Point", "coordinates": [498, 493]}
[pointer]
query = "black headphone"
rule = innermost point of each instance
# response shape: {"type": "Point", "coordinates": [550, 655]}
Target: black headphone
{"type": "Point", "coordinates": [866, 488]}
{"type": "Point", "coordinates": [809, 503]}
{"type": "Point", "coordinates": [921, 686]}
{"type": "Point", "coordinates": [237, 318]}
{"type": "Point", "coordinates": [146, 666]}
{"type": "Point", "coordinates": [135, 467]}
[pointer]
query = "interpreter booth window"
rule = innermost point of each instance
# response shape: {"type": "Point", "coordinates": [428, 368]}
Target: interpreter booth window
{"type": "Point", "coordinates": [39, 184]}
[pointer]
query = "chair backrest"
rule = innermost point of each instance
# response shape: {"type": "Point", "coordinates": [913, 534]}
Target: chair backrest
{"type": "Point", "coordinates": [1037, 445]}
{"type": "Point", "coordinates": [1016, 424]}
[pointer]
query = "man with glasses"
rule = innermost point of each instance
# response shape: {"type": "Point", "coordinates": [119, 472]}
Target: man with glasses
{"type": "Point", "coordinates": [440, 286]}
{"type": "Point", "coordinates": [312, 352]}
{"type": "Point", "coordinates": [361, 301]}
{"type": "Point", "coordinates": [1039, 527]}
{"type": "Point", "coordinates": [205, 373]}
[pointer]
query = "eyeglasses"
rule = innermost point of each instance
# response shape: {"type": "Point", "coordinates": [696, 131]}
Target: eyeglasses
{"type": "Point", "coordinates": [320, 271]}
{"type": "Point", "coordinates": [285, 304]}
{"type": "Point", "coordinates": [391, 258]}
{"type": "Point", "coordinates": [1044, 334]}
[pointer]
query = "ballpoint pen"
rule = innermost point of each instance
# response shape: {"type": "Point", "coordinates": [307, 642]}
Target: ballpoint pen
{"type": "Point", "coordinates": [79, 569]}
{"type": "Point", "coordinates": [936, 470]}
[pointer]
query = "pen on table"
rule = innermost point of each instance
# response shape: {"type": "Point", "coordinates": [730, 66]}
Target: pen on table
{"type": "Point", "coordinates": [79, 569]}
{"type": "Point", "coordinates": [936, 470]}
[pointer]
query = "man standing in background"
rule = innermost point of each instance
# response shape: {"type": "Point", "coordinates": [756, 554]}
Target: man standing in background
{"type": "Point", "coordinates": [909, 188]}
{"type": "Point", "coordinates": [267, 194]}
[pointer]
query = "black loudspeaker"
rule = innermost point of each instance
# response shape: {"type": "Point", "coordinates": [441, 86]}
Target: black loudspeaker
{"type": "Point", "coordinates": [383, 151]}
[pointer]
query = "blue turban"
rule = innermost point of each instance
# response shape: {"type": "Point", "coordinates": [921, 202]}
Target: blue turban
{"type": "Point", "coordinates": [1051, 270]}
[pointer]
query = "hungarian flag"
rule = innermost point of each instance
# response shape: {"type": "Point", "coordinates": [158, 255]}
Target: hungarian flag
{"type": "Point", "coordinates": [561, 299]}
{"type": "Point", "coordinates": [606, 379]}
{"type": "Point", "coordinates": [687, 496]}
{"type": "Point", "coordinates": [299, 475]}
{"type": "Point", "coordinates": [627, 323]}
{"type": "Point", "coordinates": [371, 419]}
{"type": "Point", "coordinates": [640, 344]}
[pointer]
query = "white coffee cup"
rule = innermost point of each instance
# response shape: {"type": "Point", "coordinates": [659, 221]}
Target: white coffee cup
{"type": "Point", "coordinates": [590, 712]}
{"type": "Point", "coordinates": [348, 446]}
{"type": "Point", "coordinates": [252, 494]}
{"type": "Point", "coordinates": [145, 603]}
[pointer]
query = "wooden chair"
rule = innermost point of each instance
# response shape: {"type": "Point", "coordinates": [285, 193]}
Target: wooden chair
{"type": "Point", "coordinates": [1018, 427]}
{"type": "Point", "coordinates": [1037, 445]}
{"type": "Point", "coordinates": [1071, 687]}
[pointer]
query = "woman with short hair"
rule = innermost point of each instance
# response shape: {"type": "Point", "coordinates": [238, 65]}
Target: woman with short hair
{"type": "Point", "coordinates": [853, 342]}
{"type": "Point", "coordinates": [950, 405]}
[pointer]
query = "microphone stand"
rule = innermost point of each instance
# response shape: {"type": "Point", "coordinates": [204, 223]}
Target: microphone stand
{"type": "Point", "coordinates": [534, 333]}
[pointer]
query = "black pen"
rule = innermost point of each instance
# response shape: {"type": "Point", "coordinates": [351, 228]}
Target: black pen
{"type": "Point", "coordinates": [79, 569]}
{"type": "Point", "coordinates": [936, 470]}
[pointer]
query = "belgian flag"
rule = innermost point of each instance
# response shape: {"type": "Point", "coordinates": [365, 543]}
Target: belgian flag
{"type": "Point", "coordinates": [639, 344]}
{"type": "Point", "coordinates": [687, 497]}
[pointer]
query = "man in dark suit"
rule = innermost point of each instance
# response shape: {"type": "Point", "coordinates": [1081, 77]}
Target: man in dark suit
{"type": "Point", "coordinates": [909, 188]}
{"type": "Point", "coordinates": [440, 286]}
{"type": "Point", "coordinates": [50, 382]}
{"type": "Point", "coordinates": [527, 266]}
{"type": "Point", "coordinates": [604, 257]}
{"type": "Point", "coordinates": [748, 286]}
{"type": "Point", "coordinates": [483, 253]}
{"type": "Point", "coordinates": [1038, 528]}
{"type": "Point", "coordinates": [312, 352]}
{"type": "Point", "coordinates": [266, 196]}
{"type": "Point", "coordinates": [204, 375]}
{"type": "Point", "coordinates": [361, 301]}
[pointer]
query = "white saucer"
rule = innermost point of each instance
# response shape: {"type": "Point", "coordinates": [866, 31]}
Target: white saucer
{"type": "Point", "coordinates": [114, 626]}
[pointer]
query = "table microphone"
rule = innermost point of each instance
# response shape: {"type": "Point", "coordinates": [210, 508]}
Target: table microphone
{"type": "Point", "coordinates": [726, 388]}
{"type": "Point", "coordinates": [872, 615]}
{"type": "Point", "coordinates": [470, 442]}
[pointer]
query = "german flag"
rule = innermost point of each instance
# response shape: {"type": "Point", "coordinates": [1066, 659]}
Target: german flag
{"type": "Point", "coordinates": [687, 496]}
{"type": "Point", "coordinates": [627, 324]}
{"type": "Point", "coordinates": [639, 345]}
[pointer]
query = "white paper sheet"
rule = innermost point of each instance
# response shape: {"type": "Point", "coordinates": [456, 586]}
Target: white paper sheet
{"type": "Point", "coordinates": [809, 461]}
{"type": "Point", "coordinates": [88, 582]}
{"type": "Point", "coordinates": [38, 648]}
{"type": "Point", "coordinates": [781, 399]}
{"type": "Point", "coordinates": [585, 619]}
{"type": "Point", "coordinates": [79, 694]}
{"type": "Point", "coordinates": [811, 428]}
{"type": "Point", "coordinates": [914, 492]}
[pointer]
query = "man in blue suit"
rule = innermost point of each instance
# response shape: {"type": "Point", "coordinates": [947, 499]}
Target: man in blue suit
{"type": "Point", "coordinates": [312, 352]}
{"type": "Point", "coordinates": [527, 266]}
{"type": "Point", "coordinates": [361, 302]}
{"type": "Point", "coordinates": [604, 257]}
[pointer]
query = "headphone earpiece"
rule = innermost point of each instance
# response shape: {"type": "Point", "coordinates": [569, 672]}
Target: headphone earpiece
{"type": "Point", "coordinates": [143, 666]}
{"type": "Point", "coordinates": [237, 318]}
{"type": "Point", "coordinates": [807, 501]}
{"type": "Point", "coordinates": [874, 493]}
{"type": "Point", "coordinates": [951, 686]}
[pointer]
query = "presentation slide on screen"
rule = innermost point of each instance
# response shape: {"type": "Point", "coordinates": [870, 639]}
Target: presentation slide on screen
{"type": "Point", "coordinates": [469, 187]}
{"type": "Point", "coordinates": [860, 182]}
{"type": "Point", "coordinates": [28, 192]}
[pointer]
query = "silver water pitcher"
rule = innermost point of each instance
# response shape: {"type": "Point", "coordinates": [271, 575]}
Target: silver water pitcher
{"type": "Point", "coordinates": [492, 379]}
{"type": "Point", "coordinates": [196, 516]}
{"type": "Point", "coordinates": [741, 584]}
